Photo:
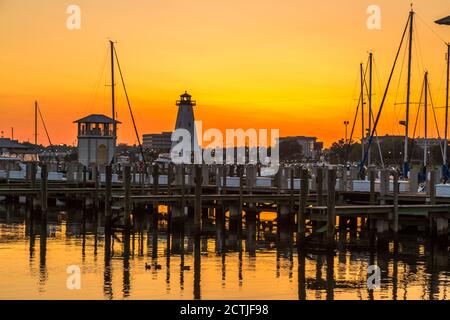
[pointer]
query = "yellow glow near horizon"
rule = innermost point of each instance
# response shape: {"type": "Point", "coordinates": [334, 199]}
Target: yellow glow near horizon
{"type": "Point", "coordinates": [291, 65]}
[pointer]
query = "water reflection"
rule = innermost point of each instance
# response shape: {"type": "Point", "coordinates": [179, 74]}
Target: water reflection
{"type": "Point", "coordinates": [221, 264]}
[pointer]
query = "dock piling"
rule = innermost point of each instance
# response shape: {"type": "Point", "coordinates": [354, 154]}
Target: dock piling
{"type": "Point", "coordinates": [301, 219]}
{"type": "Point", "coordinates": [331, 210]}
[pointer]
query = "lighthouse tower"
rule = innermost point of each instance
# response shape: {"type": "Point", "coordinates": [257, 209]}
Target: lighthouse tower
{"type": "Point", "coordinates": [186, 120]}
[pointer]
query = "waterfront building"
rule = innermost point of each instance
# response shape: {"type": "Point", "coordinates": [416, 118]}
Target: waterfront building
{"type": "Point", "coordinates": [96, 139]}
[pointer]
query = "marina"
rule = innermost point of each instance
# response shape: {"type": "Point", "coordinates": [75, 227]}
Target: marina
{"type": "Point", "coordinates": [210, 212]}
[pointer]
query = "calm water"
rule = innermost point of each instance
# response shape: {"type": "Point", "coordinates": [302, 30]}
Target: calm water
{"type": "Point", "coordinates": [34, 267]}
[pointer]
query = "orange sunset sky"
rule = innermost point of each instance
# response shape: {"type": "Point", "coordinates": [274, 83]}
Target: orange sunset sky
{"type": "Point", "coordinates": [287, 64]}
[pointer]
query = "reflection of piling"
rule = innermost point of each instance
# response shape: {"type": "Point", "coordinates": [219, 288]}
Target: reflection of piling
{"type": "Point", "coordinates": [107, 274]}
{"type": "Point", "coordinates": [330, 275]}
{"type": "Point", "coordinates": [178, 211]}
{"type": "Point", "coordinates": [43, 252]}
{"type": "Point", "coordinates": [169, 207]}
{"type": "Point", "coordinates": [127, 191]}
{"type": "Point", "coordinates": [240, 204]}
{"type": "Point", "coordinates": [96, 178]}
{"type": "Point", "coordinates": [250, 215]}
{"type": "Point", "coordinates": [155, 175]}
{"type": "Point", "coordinates": [395, 213]}
{"type": "Point", "coordinates": [331, 203]}
{"type": "Point", "coordinates": [233, 225]}
{"type": "Point", "coordinates": [84, 176]}
{"type": "Point", "coordinates": [220, 229]}
{"type": "Point", "coordinates": [319, 186]}
{"type": "Point", "coordinates": [198, 199]}
{"type": "Point", "coordinates": [301, 275]}
{"type": "Point", "coordinates": [44, 192]}
{"type": "Point", "coordinates": [126, 265]}
{"type": "Point", "coordinates": [220, 212]}
{"type": "Point", "coordinates": [31, 179]}
{"type": "Point", "coordinates": [108, 195]}
{"type": "Point", "coordinates": [250, 220]}
{"type": "Point", "coordinates": [291, 194]}
{"type": "Point", "coordinates": [197, 266]}
{"type": "Point", "coordinates": [301, 220]}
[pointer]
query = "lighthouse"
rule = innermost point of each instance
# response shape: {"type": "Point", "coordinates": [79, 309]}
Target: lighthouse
{"type": "Point", "coordinates": [186, 120]}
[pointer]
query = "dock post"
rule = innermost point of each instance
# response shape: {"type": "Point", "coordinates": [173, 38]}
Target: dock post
{"type": "Point", "coordinates": [170, 178]}
{"type": "Point", "coordinates": [198, 199]}
{"type": "Point", "coordinates": [183, 186]}
{"type": "Point", "coordinates": [205, 174]}
{"type": "Point", "coordinates": [142, 178]}
{"type": "Point", "coordinates": [301, 219]}
{"type": "Point", "coordinates": [277, 179]}
{"type": "Point", "coordinates": [84, 176]}
{"type": "Point", "coordinates": [108, 196]}
{"type": "Point", "coordinates": [319, 186]}
{"type": "Point", "coordinates": [372, 186]}
{"type": "Point", "coordinates": [241, 204]}
{"type": "Point", "coordinates": [396, 191]}
{"type": "Point", "coordinates": [291, 196]}
{"type": "Point", "coordinates": [33, 174]}
{"type": "Point", "coordinates": [250, 222]}
{"type": "Point", "coordinates": [28, 173]}
{"type": "Point", "coordinates": [155, 175]}
{"type": "Point", "coordinates": [96, 178]}
{"type": "Point", "coordinates": [251, 176]}
{"type": "Point", "coordinates": [31, 171]}
{"type": "Point", "coordinates": [331, 210]}
{"type": "Point", "coordinates": [384, 185]}
{"type": "Point", "coordinates": [414, 180]}
{"type": "Point", "coordinates": [431, 187]}
{"type": "Point", "coordinates": [155, 205]}
{"type": "Point", "coordinates": [220, 210]}
{"type": "Point", "coordinates": [44, 192]}
{"type": "Point", "coordinates": [127, 191]}
{"type": "Point", "coordinates": [134, 172]}
{"type": "Point", "coordinates": [344, 179]}
{"type": "Point", "coordinates": [442, 229]}
{"type": "Point", "coordinates": [250, 215]}
{"type": "Point", "coordinates": [226, 169]}
{"type": "Point", "coordinates": [233, 224]}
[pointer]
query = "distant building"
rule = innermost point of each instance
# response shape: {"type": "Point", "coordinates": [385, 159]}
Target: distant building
{"type": "Point", "coordinates": [419, 142]}
{"type": "Point", "coordinates": [310, 147]}
{"type": "Point", "coordinates": [430, 142]}
{"type": "Point", "coordinates": [386, 138]}
{"type": "Point", "coordinates": [160, 142]}
{"type": "Point", "coordinates": [13, 149]}
{"type": "Point", "coordinates": [96, 139]}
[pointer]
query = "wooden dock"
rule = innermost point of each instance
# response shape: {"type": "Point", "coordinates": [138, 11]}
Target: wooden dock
{"type": "Point", "coordinates": [307, 201]}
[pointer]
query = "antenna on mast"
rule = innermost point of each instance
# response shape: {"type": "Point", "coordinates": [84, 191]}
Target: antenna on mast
{"type": "Point", "coordinates": [35, 123]}
{"type": "Point", "coordinates": [113, 107]}
{"type": "Point", "coordinates": [408, 93]}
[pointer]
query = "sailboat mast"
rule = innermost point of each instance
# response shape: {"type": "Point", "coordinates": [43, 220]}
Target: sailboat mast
{"type": "Point", "coordinates": [362, 114]}
{"type": "Point", "coordinates": [408, 93]}
{"type": "Point", "coordinates": [446, 106]}
{"type": "Point", "coordinates": [425, 151]}
{"type": "Point", "coordinates": [370, 103]}
{"type": "Point", "coordinates": [112, 91]}
{"type": "Point", "coordinates": [35, 123]}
